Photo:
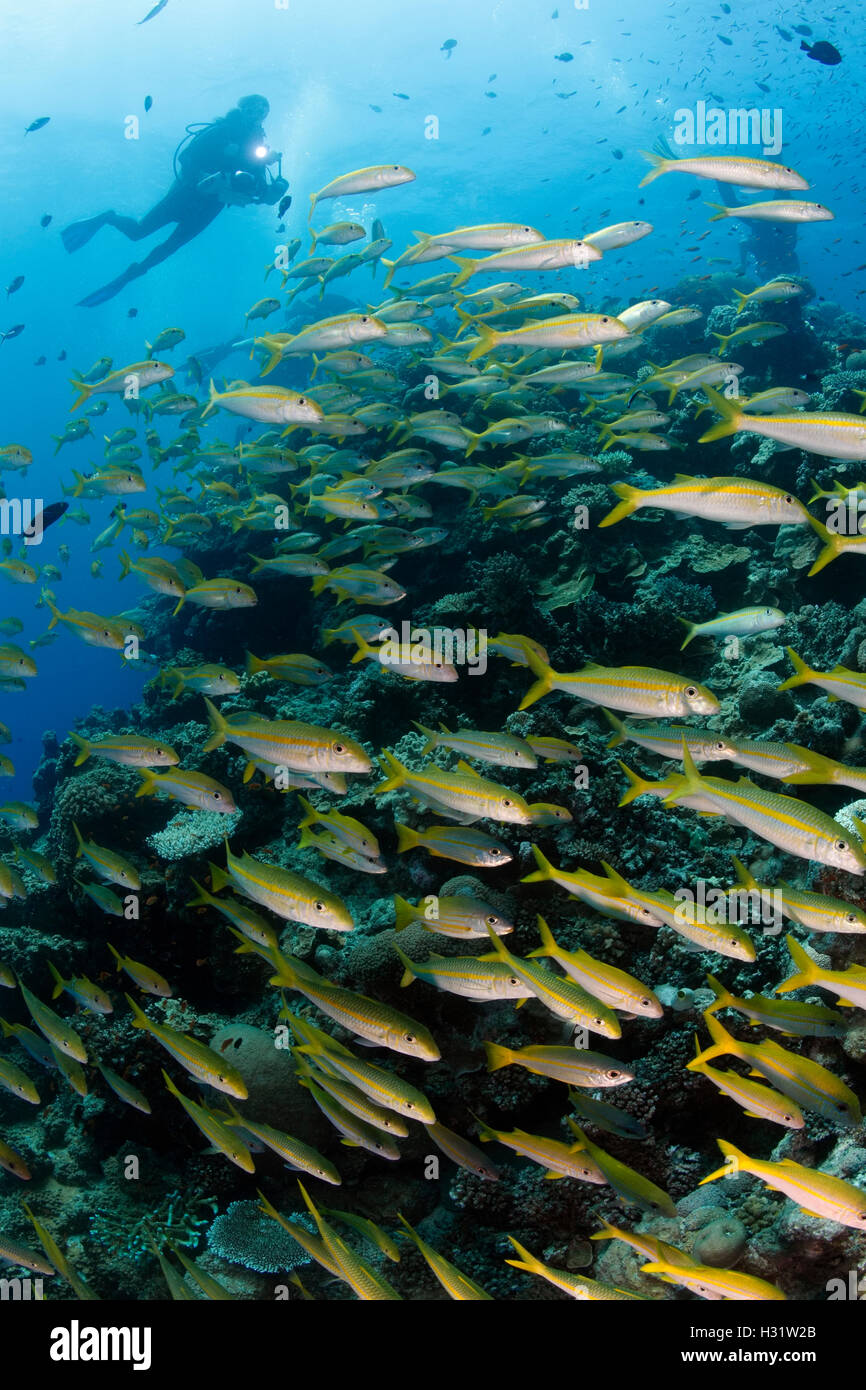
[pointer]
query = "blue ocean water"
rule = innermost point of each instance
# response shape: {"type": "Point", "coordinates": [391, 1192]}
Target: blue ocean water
{"type": "Point", "coordinates": [547, 157]}
{"type": "Point", "coordinates": [518, 111]}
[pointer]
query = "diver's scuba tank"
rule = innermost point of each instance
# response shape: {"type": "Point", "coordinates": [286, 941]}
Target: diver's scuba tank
{"type": "Point", "coordinates": [192, 130]}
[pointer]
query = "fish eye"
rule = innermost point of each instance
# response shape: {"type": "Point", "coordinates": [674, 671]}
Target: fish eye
{"type": "Point", "coordinates": [598, 1020]}
{"type": "Point", "coordinates": [719, 745]}
{"type": "Point", "coordinates": [513, 980]}
{"type": "Point", "coordinates": [217, 796]}
{"type": "Point", "coordinates": [843, 1109]}
{"type": "Point", "coordinates": [338, 748]}
{"type": "Point", "coordinates": [505, 801]}
{"type": "Point", "coordinates": [645, 1001]}
{"type": "Point", "coordinates": [841, 844]}
{"type": "Point", "coordinates": [605, 319]}
{"type": "Point", "coordinates": [788, 497]}
{"type": "Point", "coordinates": [319, 906]}
{"type": "Point", "coordinates": [409, 1037]}
{"type": "Point", "coordinates": [691, 691]}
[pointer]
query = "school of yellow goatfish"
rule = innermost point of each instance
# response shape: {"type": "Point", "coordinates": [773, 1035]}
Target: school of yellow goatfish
{"type": "Point", "coordinates": [341, 482]}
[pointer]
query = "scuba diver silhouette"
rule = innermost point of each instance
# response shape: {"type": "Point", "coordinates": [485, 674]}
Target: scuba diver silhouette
{"type": "Point", "coordinates": [226, 162]}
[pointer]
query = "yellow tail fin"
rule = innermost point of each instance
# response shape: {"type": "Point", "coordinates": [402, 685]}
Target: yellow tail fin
{"type": "Point", "coordinates": [544, 683]}
{"type": "Point", "coordinates": [732, 416]}
{"type": "Point", "coordinates": [497, 1056]}
{"type": "Point", "coordinates": [631, 500]}
{"type": "Point", "coordinates": [218, 725]}
{"type": "Point", "coordinates": [660, 166]}
{"type": "Point", "coordinates": [730, 1151]}
{"type": "Point", "coordinates": [803, 674]}
{"type": "Point", "coordinates": [407, 838]}
{"type": "Point", "coordinates": [834, 544]}
{"type": "Point", "coordinates": [488, 341]}
{"type": "Point", "coordinates": [467, 268]}
{"type": "Point", "coordinates": [807, 973]}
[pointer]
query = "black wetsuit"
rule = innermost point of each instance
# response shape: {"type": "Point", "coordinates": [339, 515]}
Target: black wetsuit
{"type": "Point", "coordinates": [225, 147]}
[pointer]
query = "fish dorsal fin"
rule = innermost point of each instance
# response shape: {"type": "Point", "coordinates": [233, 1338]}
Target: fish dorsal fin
{"type": "Point", "coordinates": [468, 771]}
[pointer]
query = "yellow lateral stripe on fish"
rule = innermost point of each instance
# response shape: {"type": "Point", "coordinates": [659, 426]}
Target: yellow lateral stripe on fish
{"type": "Point", "coordinates": [575, 1285]}
{"type": "Point", "coordinates": [456, 1284]}
{"type": "Point", "coordinates": [816, 1193]}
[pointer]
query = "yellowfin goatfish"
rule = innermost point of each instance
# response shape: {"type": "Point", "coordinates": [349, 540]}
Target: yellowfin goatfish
{"type": "Point", "coordinates": [59, 1033]}
{"type": "Point", "coordinates": [564, 997]}
{"type": "Point", "coordinates": [130, 750]}
{"type": "Point", "coordinates": [848, 985]}
{"type": "Point", "coordinates": [108, 865]}
{"type": "Point", "coordinates": [505, 750]}
{"type": "Point", "coordinates": [366, 1018]}
{"type": "Point", "coordinates": [792, 825]}
{"type": "Point", "coordinates": [192, 788]}
{"type": "Point", "coordinates": [558, 1159]}
{"type": "Point", "coordinates": [789, 1016]}
{"type": "Point", "coordinates": [737, 502]}
{"type": "Point", "coordinates": [708, 1282]}
{"type": "Point", "coordinates": [144, 976]}
{"type": "Point", "coordinates": [456, 1284]}
{"type": "Point", "coordinates": [144, 374]}
{"type": "Point", "coordinates": [745, 622]}
{"type": "Point", "coordinates": [288, 743]}
{"type": "Point", "coordinates": [200, 1061]}
{"type": "Point", "coordinates": [816, 1193]}
{"type": "Point", "coordinates": [214, 1130]}
{"type": "Point", "coordinates": [612, 986]}
{"type": "Point", "coordinates": [832, 434]}
{"type": "Point", "coordinates": [468, 976]}
{"type": "Point", "coordinates": [371, 179]}
{"type": "Point", "coordinates": [632, 1188]}
{"type": "Point", "coordinates": [778, 210]}
{"type": "Point", "coordinates": [461, 793]}
{"type": "Point", "coordinates": [289, 895]}
{"type": "Point", "coordinates": [292, 1151]}
{"type": "Point", "coordinates": [757, 1101]}
{"type": "Point", "coordinates": [575, 1285]}
{"type": "Point", "coordinates": [270, 405]}
{"type": "Point", "coordinates": [840, 683]}
{"type": "Point", "coordinates": [459, 916]}
{"type": "Point", "coordinates": [635, 689]}
{"type": "Point", "coordinates": [367, 1284]}
{"type": "Point", "coordinates": [804, 1081]}
{"type": "Point", "coordinates": [83, 991]}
